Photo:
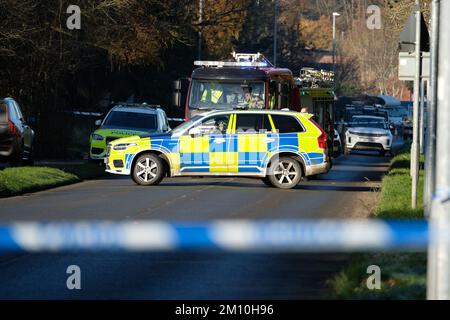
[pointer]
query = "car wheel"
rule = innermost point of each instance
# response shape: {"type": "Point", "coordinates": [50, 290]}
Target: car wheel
{"type": "Point", "coordinates": [29, 161]}
{"type": "Point", "coordinates": [267, 182]}
{"type": "Point", "coordinates": [285, 173]}
{"type": "Point", "coordinates": [148, 170]}
{"type": "Point", "coordinates": [17, 156]}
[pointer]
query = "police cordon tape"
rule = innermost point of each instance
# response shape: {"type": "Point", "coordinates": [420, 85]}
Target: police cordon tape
{"type": "Point", "coordinates": [231, 235]}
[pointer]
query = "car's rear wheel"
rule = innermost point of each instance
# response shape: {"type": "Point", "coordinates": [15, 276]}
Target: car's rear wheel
{"type": "Point", "coordinates": [148, 170]}
{"type": "Point", "coordinates": [285, 173]}
{"type": "Point", "coordinates": [29, 161]}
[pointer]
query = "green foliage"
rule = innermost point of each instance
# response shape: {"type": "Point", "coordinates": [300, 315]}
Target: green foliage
{"type": "Point", "coordinates": [395, 196]}
{"type": "Point", "coordinates": [403, 274]}
{"type": "Point", "coordinates": [19, 180]}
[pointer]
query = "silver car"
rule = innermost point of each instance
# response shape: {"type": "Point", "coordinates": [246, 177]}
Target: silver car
{"type": "Point", "coordinates": [368, 133]}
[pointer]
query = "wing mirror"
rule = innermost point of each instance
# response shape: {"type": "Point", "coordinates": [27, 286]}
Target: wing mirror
{"type": "Point", "coordinates": [98, 122]}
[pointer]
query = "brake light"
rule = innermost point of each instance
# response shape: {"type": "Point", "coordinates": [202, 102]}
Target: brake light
{"type": "Point", "coordinates": [12, 128]}
{"type": "Point", "coordinates": [322, 139]}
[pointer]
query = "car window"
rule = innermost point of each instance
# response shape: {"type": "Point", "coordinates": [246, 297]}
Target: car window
{"type": "Point", "coordinates": [131, 120]}
{"type": "Point", "coordinates": [287, 124]}
{"type": "Point", "coordinates": [252, 123]}
{"type": "Point", "coordinates": [12, 113]}
{"type": "Point", "coordinates": [217, 124]}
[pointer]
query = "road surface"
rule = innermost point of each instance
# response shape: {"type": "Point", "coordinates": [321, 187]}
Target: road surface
{"type": "Point", "coordinates": [347, 191]}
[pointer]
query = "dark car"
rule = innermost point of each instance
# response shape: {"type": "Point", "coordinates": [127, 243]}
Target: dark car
{"type": "Point", "coordinates": [16, 137]}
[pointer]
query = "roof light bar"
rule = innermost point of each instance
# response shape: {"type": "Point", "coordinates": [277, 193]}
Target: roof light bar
{"type": "Point", "coordinates": [230, 64]}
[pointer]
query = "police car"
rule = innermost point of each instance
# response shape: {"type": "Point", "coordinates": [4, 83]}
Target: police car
{"type": "Point", "coordinates": [277, 146]}
{"type": "Point", "coordinates": [125, 120]}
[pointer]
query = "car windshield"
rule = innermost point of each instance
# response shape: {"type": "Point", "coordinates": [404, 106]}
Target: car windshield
{"type": "Point", "coordinates": [368, 123]}
{"type": "Point", "coordinates": [208, 94]}
{"type": "Point", "coordinates": [186, 124]}
{"type": "Point", "coordinates": [131, 120]}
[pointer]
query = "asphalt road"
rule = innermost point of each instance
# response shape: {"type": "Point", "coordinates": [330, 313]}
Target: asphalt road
{"type": "Point", "coordinates": [347, 191]}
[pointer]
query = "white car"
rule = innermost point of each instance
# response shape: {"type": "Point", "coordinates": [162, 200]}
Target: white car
{"type": "Point", "coordinates": [337, 145]}
{"type": "Point", "coordinates": [368, 133]}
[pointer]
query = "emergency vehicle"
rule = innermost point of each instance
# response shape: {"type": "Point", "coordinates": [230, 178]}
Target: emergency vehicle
{"type": "Point", "coordinates": [249, 81]}
{"type": "Point", "coordinates": [280, 147]}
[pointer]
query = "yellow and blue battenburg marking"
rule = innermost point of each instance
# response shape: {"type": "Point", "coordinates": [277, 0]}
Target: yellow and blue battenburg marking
{"type": "Point", "coordinates": [231, 152]}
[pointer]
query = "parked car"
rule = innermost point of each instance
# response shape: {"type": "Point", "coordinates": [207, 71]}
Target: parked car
{"type": "Point", "coordinates": [337, 145]}
{"type": "Point", "coordinates": [368, 133]}
{"type": "Point", "coordinates": [125, 120]}
{"type": "Point", "coordinates": [280, 147]}
{"type": "Point", "coordinates": [16, 137]}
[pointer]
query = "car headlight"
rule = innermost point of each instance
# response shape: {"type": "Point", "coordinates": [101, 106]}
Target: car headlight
{"type": "Point", "coordinates": [123, 146]}
{"type": "Point", "coordinates": [97, 137]}
{"type": "Point", "coordinates": [351, 132]}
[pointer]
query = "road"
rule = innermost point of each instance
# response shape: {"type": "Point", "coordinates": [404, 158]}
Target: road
{"type": "Point", "coordinates": [346, 191]}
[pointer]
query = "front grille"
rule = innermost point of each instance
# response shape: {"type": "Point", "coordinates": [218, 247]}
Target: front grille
{"type": "Point", "coordinates": [118, 163]}
{"type": "Point", "coordinates": [97, 150]}
{"type": "Point", "coordinates": [363, 134]}
{"type": "Point", "coordinates": [369, 145]}
{"type": "Point", "coordinates": [109, 139]}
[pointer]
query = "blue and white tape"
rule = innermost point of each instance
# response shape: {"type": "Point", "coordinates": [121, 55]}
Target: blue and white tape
{"type": "Point", "coordinates": [233, 235]}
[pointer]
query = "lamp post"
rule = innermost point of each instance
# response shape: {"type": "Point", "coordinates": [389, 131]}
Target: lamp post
{"type": "Point", "coordinates": [200, 20]}
{"type": "Point", "coordinates": [335, 14]}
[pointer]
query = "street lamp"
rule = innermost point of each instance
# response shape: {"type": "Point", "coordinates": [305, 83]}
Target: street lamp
{"type": "Point", "coordinates": [335, 14]}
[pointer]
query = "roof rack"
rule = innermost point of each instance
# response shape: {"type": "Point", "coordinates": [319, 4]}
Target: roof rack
{"type": "Point", "coordinates": [256, 60]}
{"type": "Point", "coordinates": [313, 78]}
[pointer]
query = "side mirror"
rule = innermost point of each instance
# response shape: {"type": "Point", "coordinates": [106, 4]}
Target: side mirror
{"type": "Point", "coordinates": [176, 99]}
{"type": "Point", "coordinates": [194, 131]}
{"type": "Point", "coordinates": [176, 94]}
{"type": "Point", "coordinates": [98, 122]}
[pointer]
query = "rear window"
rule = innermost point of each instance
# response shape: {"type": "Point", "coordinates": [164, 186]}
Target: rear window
{"type": "Point", "coordinates": [286, 124]}
{"type": "Point", "coordinates": [131, 120]}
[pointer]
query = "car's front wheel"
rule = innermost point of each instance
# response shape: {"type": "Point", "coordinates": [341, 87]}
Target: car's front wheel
{"type": "Point", "coordinates": [148, 170]}
{"type": "Point", "coordinates": [285, 173]}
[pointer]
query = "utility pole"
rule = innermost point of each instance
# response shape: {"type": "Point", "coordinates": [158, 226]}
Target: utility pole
{"type": "Point", "coordinates": [200, 20]}
{"type": "Point", "coordinates": [416, 111]}
{"type": "Point", "coordinates": [275, 32]}
{"type": "Point", "coordinates": [439, 250]}
{"type": "Point", "coordinates": [430, 148]}
{"type": "Point", "coordinates": [335, 14]}
{"type": "Point", "coordinates": [422, 116]}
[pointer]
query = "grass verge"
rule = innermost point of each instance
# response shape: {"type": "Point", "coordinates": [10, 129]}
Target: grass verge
{"type": "Point", "coordinates": [403, 275]}
{"type": "Point", "coordinates": [19, 180]}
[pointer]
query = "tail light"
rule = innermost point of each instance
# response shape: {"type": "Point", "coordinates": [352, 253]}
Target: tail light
{"type": "Point", "coordinates": [11, 127]}
{"type": "Point", "coordinates": [322, 139]}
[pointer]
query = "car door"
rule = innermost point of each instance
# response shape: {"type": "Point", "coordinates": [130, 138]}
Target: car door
{"type": "Point", "coordinates": [206, 151]}
{"type": "Point", "coordinates": [252, 140]}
